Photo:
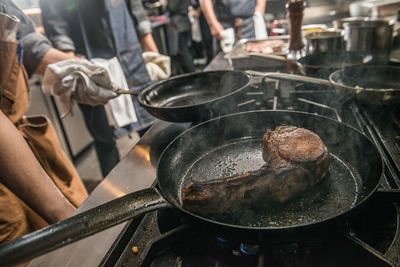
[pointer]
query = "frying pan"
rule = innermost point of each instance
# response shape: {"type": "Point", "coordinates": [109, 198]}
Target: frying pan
{"type": "Point", "coordinates": [375, 85]}
{"type": "Point", "coordinates": [194, 97]}
{"type": "Point", "coordinates": [224, 146]}
{"type": "Point", "coordinates": [321, 65]}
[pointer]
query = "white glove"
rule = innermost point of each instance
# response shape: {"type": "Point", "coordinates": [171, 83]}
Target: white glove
{"type": "Point", "coordinates": [158, 66]}
{"type": "Point", "coordinates": [228, 41]}
{"type": "Point", "coordinates": [78, 80]}
{"type": "Point", "coordinates": [259, 26]}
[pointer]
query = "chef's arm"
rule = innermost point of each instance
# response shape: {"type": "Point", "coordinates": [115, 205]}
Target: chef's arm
{"type": "Point", "coordinates": [23, 175]}
{"type": "Point", "coordinates": [55, 23]}
{"type": "Point", "coordinates": [52, 56]}
{"type": "Point", "coordinates": [215, 26]}
{"type": "Point", "coordinates": [260, 6]}
{"type": "Point", "coordinates": [147, 42]}
{"type": "Point", "coordinates": [143, 26]}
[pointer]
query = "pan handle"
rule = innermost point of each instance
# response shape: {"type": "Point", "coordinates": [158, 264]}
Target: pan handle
{"type": "Point", "coordinates": [126, 92]}
{"type": "Point", "coordinates": [290, 77]}
{"type": "Point", "coordinates": [81, 225]}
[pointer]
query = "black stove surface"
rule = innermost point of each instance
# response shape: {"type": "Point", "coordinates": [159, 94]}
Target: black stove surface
{"type": "Point", "coordinates": [179, 244]}
{"type": "Point", "coordinates": [163, 238]}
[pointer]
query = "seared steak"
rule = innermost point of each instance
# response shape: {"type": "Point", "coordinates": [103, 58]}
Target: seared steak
{"type": "Point", "coordinates": [296, 159]}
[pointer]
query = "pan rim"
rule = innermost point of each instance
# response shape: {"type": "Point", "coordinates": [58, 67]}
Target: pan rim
{"type": "Point", "coordinates": [334, 66]}
{"type": "Point", "coordinates": [333, 79]}
{"type": "Point", "coordinates": [185, 75]}
{"type": "Point", "coordinates": [270, 228]}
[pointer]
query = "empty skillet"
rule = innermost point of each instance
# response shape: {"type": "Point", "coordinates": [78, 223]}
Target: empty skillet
{"type": "Point", "coordinates": [226, 146]}
{"type": "Point", "coordinates": [321, 65]}
{"type": "Point", "coordinates": [195, 97]}
{"type": "Point", "coordinates": [376, 85]}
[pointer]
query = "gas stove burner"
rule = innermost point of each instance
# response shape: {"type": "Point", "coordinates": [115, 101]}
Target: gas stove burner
{"type": "Point", "coordinates": [168, 220]}
{"type": "Point", "coordinates": [249, 249]}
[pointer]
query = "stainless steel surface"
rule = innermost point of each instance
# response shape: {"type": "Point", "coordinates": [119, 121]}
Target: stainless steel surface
{"type": "Point", "coordinates": [370, 36]}
{"type": "Point", "coordinates": [240, 59]}
{"type": "Point", "coordinates": [76, 133]}
{"type": "Point", "coordinates": [324, 41]}
{"type": "Point", "coordinates": [338, 23]}
{"type": "Point", "coordinates": [136, 171]}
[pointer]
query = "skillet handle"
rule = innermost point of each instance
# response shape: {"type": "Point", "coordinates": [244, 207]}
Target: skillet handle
{"type": "Point", "coordinates": [81, 225]}
{"type": "Point", "coordinates": [290, 77]}
{"type": "Point", "coordinates": [126, 92]}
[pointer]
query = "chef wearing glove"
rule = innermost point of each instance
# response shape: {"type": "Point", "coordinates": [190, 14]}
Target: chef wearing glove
{"type": "Point", "coordinates": [235, 19]}
{"type": "Point", "coordinates": [103, 29]}
{"type": "Point", "coordinates": [78, 80]}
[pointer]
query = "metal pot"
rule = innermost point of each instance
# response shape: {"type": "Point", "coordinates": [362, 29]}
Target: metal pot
{"type": "Point", "coordinates": [369, 36]}
{"type": "Point", "coordinates": [338, 23]}
{"type": "Point", "coordinates": [324, 41]}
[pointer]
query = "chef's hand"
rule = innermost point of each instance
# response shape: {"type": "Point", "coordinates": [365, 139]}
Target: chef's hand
{"type": "Point", "coordinates": [217, 30]}
{"type": "Point", "coordinates": [90, 88]}
{"type": "Point", "coordinates": [78, 80]}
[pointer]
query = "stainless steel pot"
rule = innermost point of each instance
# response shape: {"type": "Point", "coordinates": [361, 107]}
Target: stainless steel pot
{"type": "Point", "coordinates": [324, 41]}
{"type": "Point", "coordinates": [338, 23]}
{"type": "Point", "coordinates": [369, 36]}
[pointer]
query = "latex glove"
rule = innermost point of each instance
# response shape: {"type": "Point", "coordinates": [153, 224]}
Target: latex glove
{"type": "Point", "coordinates": [158, 66]}
{"type": "Point", "coordinates": [78, 80]}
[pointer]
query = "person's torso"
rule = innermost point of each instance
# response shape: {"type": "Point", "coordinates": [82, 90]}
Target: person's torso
{"type": "Point", "coordinates": [230, 9]}
{"type": "Point", "coordinates": [105, 29]}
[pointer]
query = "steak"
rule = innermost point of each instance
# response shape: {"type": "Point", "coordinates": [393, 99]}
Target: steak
{"type": "Point", "coordinates": [296, 159]}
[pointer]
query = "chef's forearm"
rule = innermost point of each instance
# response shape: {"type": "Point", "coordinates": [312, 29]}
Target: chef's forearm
{"type": "Point", "coordinates": [147, 42]}
{"type": "Point", "coordinates": [212, 20]}
{"type": "Point", "coordinates": [208, 11]}
{"type": "Point", "coordinates": [51, 56]}
{"type": "Point", "coordinates": [260, 6]}
{"type": "Point", "coordinates": [24, 176]}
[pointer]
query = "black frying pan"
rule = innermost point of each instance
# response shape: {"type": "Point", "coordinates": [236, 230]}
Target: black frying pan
{"type": "Point", "coordinates": [375, 85]}
{"type": "Point", "coordinates": [321, 65]}
{"type": "Point", "coordinates": [196, 96]}
{"type": "Point", "coordinates": [369, 84]}
{"type": "Point", "coordinates": [226, 146]}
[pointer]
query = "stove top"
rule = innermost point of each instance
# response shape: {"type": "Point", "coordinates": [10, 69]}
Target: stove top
{"type": "Point", "coordinates": [163, 238]}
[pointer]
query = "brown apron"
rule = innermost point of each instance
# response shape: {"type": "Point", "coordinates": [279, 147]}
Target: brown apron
{"type": "Point", "coordinates": [16, 218]}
